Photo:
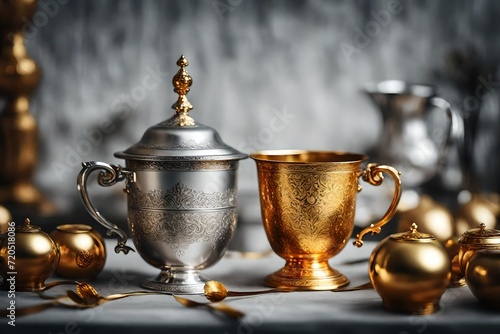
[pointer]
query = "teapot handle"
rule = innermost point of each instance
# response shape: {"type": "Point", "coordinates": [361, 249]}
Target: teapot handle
{"type": "Point", "coordinates": [455, 130]}
{"type": "Point", "coordinates": [110, 175]}
{"type": "Point", "coordinates": [373, 175]}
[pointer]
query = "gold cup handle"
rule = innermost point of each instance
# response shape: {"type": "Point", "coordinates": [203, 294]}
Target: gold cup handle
{"type": "Point", "coordinates": [373, 175]}
{"type": "Point", "coordinates": [110, 175]}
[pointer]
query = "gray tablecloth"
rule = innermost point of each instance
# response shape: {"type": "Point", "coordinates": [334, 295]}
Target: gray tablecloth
{"type": "Point", "coordinates": [297, 312]}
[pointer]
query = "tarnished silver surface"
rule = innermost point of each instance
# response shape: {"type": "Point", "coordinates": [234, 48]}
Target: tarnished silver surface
{"type": "Point", "coordinates": [180, 180]}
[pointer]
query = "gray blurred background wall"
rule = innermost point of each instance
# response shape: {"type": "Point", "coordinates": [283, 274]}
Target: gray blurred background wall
{"type": "Point", "coordinates": [267, 74]}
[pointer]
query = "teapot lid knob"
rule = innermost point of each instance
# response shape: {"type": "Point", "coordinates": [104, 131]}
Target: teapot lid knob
{"type": "Point", "coordinates": [28, 227]}
{"type": "Point", "coordinates": [413, 228]}
{"type": "Point", "coordinates": [181, 82]}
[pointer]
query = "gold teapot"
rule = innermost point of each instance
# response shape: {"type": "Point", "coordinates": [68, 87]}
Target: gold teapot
{"type": "Point", "coordinates": [28, 256]}
{"type": "Point", "coordinates": [410, 271]}
{"type": "Point", "coordinates": [474, 240]}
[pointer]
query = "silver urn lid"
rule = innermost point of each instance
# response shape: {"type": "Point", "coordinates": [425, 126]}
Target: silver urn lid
{"type": "Point", "coordinates": [181, 138]}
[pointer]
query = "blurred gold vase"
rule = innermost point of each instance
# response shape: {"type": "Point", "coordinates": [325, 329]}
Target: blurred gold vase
{"type": "Point", "coordinates": [5, 218]}
{"type": "Point", "coordinates": [474, 240]}
{"type": "Point", "coordinates": [33, 259]}
{"type": "Point", "coordinates": [431, 217]}
{"type": "Point", "coordinates": [483, 277]}
{"type": "Point", "coordinates": [308, 201]}
{"type": "Point", "coordinates": [82, 250]}
{"type": "Point", "coordinates": [410, 271]}
{"type": "Point", "coordinates": [480, 209]}
{"type": "Point", "coordinates": [453, 249]}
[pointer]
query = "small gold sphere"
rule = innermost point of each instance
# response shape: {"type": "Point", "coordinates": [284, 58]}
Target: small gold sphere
{"type": "Point", "coordinates": [82, 249]}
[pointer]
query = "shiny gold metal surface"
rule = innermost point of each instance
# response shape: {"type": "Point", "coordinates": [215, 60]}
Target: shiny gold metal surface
{"type": "Point", "coordinates": [19, 76]}
{"type": "Point", "coordinates": [483, 277]}
{"type": "Point", "coordinates": [457, 277]}
{"type": "Point", "coordinates": [182, 81]}
{"type": "Point", "coordinates": [436, 219]}
{"type": "Point", "coordinates": [410, 271]}
{"type": "Point", "coordinates": [36, 257]}
{"type": "Point", "coordinates": [5, 218]}
{"type": "Point", "coordinates": [215, 291]}
{"type": "Point", "coordinates": [307, 202]}
{"type": "Point", "coordinates": [87, 297]}
{"type": "Point", "coordinates": [474, 240]}
{"type": "Point", "coordinates": [431, 217]}
{"type": "Point", "coordinates": [82, 251]}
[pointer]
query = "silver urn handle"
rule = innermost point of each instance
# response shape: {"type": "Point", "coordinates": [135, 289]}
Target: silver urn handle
{"type": "Point", "coordinates": [454, 119]}
{"type": "Point", "coordinates": [110, 175]}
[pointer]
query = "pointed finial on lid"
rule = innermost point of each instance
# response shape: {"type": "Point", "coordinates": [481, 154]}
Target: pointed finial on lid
{"type": "Point", "coordinates": [413, 228]}
{"type": "Point", "coordinates": [181, 82]}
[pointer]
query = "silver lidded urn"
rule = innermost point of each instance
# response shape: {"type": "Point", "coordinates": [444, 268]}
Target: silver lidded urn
{"type": "Point", "coordinates": [180, 180]}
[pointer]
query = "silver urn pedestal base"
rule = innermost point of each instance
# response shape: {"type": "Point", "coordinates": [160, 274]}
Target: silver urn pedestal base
{"type": "Point", "coordinates": [177, 281]}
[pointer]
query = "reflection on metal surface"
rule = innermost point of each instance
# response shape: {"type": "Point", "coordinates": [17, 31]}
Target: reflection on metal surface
{"type": "Point", "coordinates": [410, 271]}
{"type": "Point", "coordinates": [474, 240]}
{"type": "Point", "coordinates": [307, 201]}
{"type": "Point", "coordinates": [36, 258]}
{"type": "Point", "coordinates": [483, 277]}
{"type": "Point", "coordinates": [181, 186]}
{"type": "Point", "coordinates": [82, 249]}
{"type": "Point", "coordinates": [408, 142]}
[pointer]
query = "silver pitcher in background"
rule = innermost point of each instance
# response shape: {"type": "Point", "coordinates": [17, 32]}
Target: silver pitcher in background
{"type": "Point", "coordinates": [408, 142]}
{"type": "Point", "coordinates": [180, 180]}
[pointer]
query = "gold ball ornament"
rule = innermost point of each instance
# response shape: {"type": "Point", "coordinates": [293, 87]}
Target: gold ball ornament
{"type": "Point", "coordinates": [83, 253]}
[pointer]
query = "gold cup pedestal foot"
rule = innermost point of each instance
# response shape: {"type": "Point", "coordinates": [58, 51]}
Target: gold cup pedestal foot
{"type": "Point", "coordinates": [301, 274]}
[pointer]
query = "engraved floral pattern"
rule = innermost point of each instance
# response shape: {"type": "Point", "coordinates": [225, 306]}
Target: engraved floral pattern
{"type": "Point", "coordinates": [182, 197]}
{"type": "Point", "coordinates": [308, 213]}
{"type": "Point", "coordinates": [84, 259]}
{"type": "Point", "coordinates": [181, 165]}
{"type": "Point", "coordinates": [189, 144]}
{"type": "Point", "coordinates": [179, 230]}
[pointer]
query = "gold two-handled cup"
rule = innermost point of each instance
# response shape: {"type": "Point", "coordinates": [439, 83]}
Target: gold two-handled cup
{"type": "Point", "coordinates": [308, 202]}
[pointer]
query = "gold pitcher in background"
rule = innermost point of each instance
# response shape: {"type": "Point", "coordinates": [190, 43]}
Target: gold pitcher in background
{"type": "Point", "coordinates": [308, 201]}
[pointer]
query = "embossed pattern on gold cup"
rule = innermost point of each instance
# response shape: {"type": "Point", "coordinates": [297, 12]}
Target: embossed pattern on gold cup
{"type": "Point", "coordinates": [82, 251]}
{"type": "Point", "coordinates": [308, 201]}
